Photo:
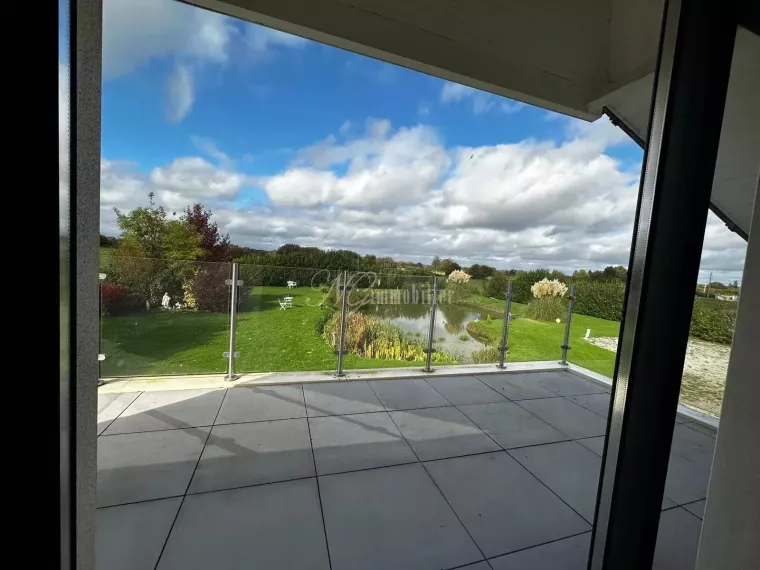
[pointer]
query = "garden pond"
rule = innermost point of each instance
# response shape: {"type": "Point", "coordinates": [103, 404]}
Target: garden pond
{"type": "Point", "coordinates": [450, 332]}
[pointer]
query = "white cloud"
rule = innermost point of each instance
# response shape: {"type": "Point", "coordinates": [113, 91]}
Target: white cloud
{"type": "Point", "coordinates": [209, 147]}
{"type": "Point", "coordinates": [138, 31]}
{"type": "Point", "coordinates": [345, 128]}
{"type": "Point", "coordinates": [455, 92]}
{"type": "Point", "coordinates": [135, 31]}
{"type": "Point", "coordinates": [403, 193]}
{"type": "Point", "coordinates": [480, 101]}
{"type": "Point", "coordinates": [177, 185]}
{"type": "Point", "coordinates": [382, 171]}
{"type": "Point", "coordinates": [195, 177]}
{"type": "Point", "coordinates": [179, 93]}
{"type": "Point", "coordinates": [261, 39]}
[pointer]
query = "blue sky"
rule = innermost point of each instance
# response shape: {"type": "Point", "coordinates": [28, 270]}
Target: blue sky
{"type": "Point", "coordinates": [288, 140]}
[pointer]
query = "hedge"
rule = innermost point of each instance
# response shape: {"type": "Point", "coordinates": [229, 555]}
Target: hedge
{"type": "Point", "coordinates": [602, 300]}
{"type": "Point", "coordinates": [274, 276]}
{"type": "Point", "coordinates": [712, 324]}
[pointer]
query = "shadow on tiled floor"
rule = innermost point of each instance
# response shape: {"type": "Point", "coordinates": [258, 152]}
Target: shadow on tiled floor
{"type": "Point", "coordinates": [403, 474]}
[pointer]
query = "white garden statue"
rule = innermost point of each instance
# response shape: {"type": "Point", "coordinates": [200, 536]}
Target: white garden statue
{"type": "Point", "coordinates": [147, 305]}
{"type": "Point", "coordinates": [165, 300]}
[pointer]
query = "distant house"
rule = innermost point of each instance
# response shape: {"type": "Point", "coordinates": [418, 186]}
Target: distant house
{"type": "Point", "coordinates": [727, 297]}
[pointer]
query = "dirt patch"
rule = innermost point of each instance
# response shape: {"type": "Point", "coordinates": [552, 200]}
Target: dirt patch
{"type": "Point", "coordinates": [704, 373]}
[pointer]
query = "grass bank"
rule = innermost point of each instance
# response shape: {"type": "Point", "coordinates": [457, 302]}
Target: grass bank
{"type": "Point", "coordinates": [531, 340]}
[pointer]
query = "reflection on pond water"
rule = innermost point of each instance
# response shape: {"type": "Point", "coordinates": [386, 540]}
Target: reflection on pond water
{"type": "Point", "coordinates": [450, 324]}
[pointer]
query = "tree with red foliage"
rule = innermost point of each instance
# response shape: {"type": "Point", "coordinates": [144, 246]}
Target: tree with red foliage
{"type": "Point", "coordinates": [215, 246]}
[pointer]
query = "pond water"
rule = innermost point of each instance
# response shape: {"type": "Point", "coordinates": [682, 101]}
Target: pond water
{"type": "Point", "coordinates": [450, 324]}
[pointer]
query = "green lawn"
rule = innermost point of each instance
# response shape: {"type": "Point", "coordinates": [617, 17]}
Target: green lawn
{"type": "Point", "coordinates": [531, 340]}
{"type": "Point", "coordinates": [105, 255]}
{"type": "Point", "coordinates": [268, 339]}
{"type": "Point", "coordinates": [274, 340]}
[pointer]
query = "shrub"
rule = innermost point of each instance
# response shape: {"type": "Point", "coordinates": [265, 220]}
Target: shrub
{"type": "Point", "coordinates": [602, 300]}
{"type": "Point", "coordinates": [112, 298]}
{"type": "Point", "coordinates": [712, 324]}
{"type": "Point", "coordinates": [546, 309]}
{"type": "Point", "coordinates": [210, 291]}
{"type": "Point", "coordinates": [148, 279]}
{"type": "Point", "coordinates": [546, 288]}
{"type": "Point", "coordinates": [458, 276]}
{"type": "Point", "coordinates": [457, 285]}
{"type": "Point", "coordinates": [486, 355]}
{"type": "Point", "coordinates": [464, 337]}
{"type": "Point", "coordinates": [547, 303]}
{"type": "Point", "coordinates": [496, 286]}
{"type": "Point", "coordinates": [524, 280]}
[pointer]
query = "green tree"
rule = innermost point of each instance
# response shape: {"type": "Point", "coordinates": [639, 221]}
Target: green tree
{"type": "Point", "coordinates": [147, 232]}
{"type": "Point", "coordinates": [154, 255]}
{"type": "Point", "coordinates": [580, 275]}
{"type": "Point", "coordinates": [496, 286]}
{"type": "Point", "coordinates": [478, 271]}
{"type": "Point", "coordinates": [448, 265]}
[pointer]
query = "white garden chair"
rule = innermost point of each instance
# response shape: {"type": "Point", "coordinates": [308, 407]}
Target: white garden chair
{"type": "Point", "coordinates": [286, 304]}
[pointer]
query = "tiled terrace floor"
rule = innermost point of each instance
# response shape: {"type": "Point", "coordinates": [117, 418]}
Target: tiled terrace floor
{"type": "Point", "coordinates": [495, 472]}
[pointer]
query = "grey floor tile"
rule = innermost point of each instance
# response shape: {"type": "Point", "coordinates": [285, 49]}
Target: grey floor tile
{"type": "Point", "coordinates": [597, 403]}
{"type": "Point", "coordinates": [363, 441]}
{"type": "Point", "coordinates": [111, 405]}
{"type": "Point", "coordinates": [407, 394]}
{"type": "Point", "coordinates": [689, 467]}
{"type": "Point", "coordinates": [131, 537]}
{"type": "Point", "coordinates": [701, 428]}
{"type": "Point", "coordinates": [337, 398]}
{"type": "Point", "coordinates": [568, 469]}
{"type": "Point", "coordinates": [436, 433]}
{"type": "Point", "coordinates": [693, 445]}
{"type": "Point", "coordinates": [462, 390]}
{"type": "Point", "coordinates": [262, 403]}
{"type": "Point", "coordinates": [686, 481]}
{"type": "Point", "coordinates": [696, 482]}
{"type": "Point", "coordinates": [567, 384]}
{"type": "Point", "coordinates": [595, 444]}
{"type": "Point", "coordinates": [566, 554]}
{"type": "Point", "coordinates": [175, 409]}
{"type": "Point", "coordinates": [392, 518]}
{"type": "Point", "coordinates": [237, 455]}
{"type": "Point", "coordinates": [510, 425]}
{"type": "Point", "coordinates": [568, 417]}
{"type": "Point", "coordinates": [677, 541]}
{"type": "Point", "coordinates": [150, 465]}
{"type": "Point", "coordinates": [501, 504]}
{"type": "Point", "coordinates": [517, 386]}
{"type": "Point", "coordinates": [269, 527]}
{"type": "Point", "coordinates": [697, 509]}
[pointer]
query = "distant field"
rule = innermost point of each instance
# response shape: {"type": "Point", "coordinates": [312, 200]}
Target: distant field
{"type": "Point", "coordinates": [105, 255]}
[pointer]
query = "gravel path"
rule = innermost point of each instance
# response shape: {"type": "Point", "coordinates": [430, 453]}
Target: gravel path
{"type": "Point", "coordinates": [704, 374]}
